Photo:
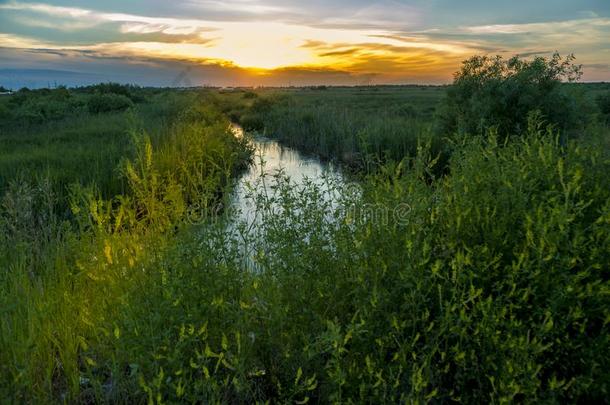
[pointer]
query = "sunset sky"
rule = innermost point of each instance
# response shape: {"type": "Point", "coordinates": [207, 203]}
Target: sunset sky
{"type": "Point", "coordinates": [289, 42]}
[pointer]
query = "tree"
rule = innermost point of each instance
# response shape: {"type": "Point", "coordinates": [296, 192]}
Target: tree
{"type": "Point", "coordinates": [501, 93]}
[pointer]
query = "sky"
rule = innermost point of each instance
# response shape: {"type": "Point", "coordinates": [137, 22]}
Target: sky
{"type": "Point", "coordinates": [287, 42]}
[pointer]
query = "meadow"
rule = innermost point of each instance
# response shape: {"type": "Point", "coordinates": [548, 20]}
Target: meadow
{"type": "Point", "coordinates": [485, 277]}
{"type": "Point", "coordinates": [349, 124]}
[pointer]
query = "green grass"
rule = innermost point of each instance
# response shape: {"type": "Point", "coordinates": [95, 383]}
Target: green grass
{"type": "Point", "coordinates": [85, 148]}
{"type": "Point", "coordinates": [488, 283]}
{"type": "Point", "coordinates": [350, 125]}
{"type": "Point", "coordinates": [126, 188]}
{"type": "Point", "coordinates": [361, 127]}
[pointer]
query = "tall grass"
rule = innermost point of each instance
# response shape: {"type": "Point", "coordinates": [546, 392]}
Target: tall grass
{"type": "Point", "coordinates": [490, 287]}
{"type": "Point", "coordinates": [486, 284]}
{"type": "Point", "coordinates": [65, 281]}
{"type": "Point", "coordinates": [88, 148]}
{"type": "Point", "coordinates": [350, 125]}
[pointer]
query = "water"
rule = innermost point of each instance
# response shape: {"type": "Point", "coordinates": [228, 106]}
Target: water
{"type": "Point", "coordinates": [271, 158]}
{"type": "Point", "coordinates": [272, 163]}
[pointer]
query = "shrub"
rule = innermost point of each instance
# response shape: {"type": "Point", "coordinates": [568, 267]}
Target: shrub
{"type": "Point", "coordinates": [61, 93]}
{"type": "Point", "coordinates": [407, 110]}
{"type": "Point", "coordinates": [494, 92]}
{"type": "Point", "coordinates": [20, 96]}
{"type": "Point", "coordinates": [252, 122]}
{"type": "Point", "coordinates": [250, 95]}
{"type": "Point", "coordinates": [5, 113]}
{"type": "Point", "coordinates": [30, 114]}
{"type": "Point", "coordinates": [108, 102]}
{"type": "Point", "coordinates": [491, 288]}
{"type": "Point", "coordinates": [603, 102]}
{"type": "Point", "coordinates": [113, 88]}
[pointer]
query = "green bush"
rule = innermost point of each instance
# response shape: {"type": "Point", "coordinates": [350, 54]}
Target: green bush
{"type": "Point", "coordinates": [30, 114]}
{"type": "Point", "coordinates": [34, 107]}
{"type": "Point", "coordinates": [494, 92]}
{"type": "Point", "coordinates": [108, 102]}
{"type": "Point", "coordinates": [130, 91]}
{"type": "Point", "coordinates": [492, 286]}
{"type": "Point", "coordinates": [5, 113]}
{"type": "Point", "coordinates": [20, 96]}
{"type": "Point", "coordinates": [252, 122]}
{"type": "Point", "coordinates": [603, 102]}
{"type": "Point", "coordinates": [250, 95]}
{"type": "Point", "coordinates": [48, 351]}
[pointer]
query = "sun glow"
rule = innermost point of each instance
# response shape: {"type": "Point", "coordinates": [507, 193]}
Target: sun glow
{"type": "Point", "coordinates": [266, 45]}
{"type": "Point", "coordinates": [276, 45]}
{"type": "Point", "coordinates": [355, 44]}
{"type": "Point", "coordinates": [259, 45]}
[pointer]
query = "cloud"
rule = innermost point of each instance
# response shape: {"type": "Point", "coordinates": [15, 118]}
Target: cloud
{"type": "Point", "coordinates": [166, 33]}
{"type": "Point", "coordinates": [343, 40]}
{"type": "Point", "coordinates": [85, 18]}
{"type": "Point", "coordinates": [47, 9]}
{"type": "Point", "coordinates": [240, 6]}
{"type": "Point", "coordinates": [48, 66]}
{"type": "Point", "coordinates": [590, 24]}
{"type": "Point", "coordinates": [345, 52]}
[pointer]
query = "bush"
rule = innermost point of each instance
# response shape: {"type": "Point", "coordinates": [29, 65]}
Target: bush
{"type": "Point", "coordinates": [252, 122]}
{"type": "Point", "coordinates": [5, 113]}
{"type": "Point", "coordinates": [407, 111]}
{"type": "Point", "coordinates": [491, 288]}
{"type": "Point", "coordinates": [20, 96]}
{"type": "Point", "coordinates": [603, 102]}
{"type": "Point", "coordinates": [29, 114]}
{"type": "Point", "coordinates": [494, 92]}
{"type": "Point", "coordinates": [250, 95]}
{"type": "Point", "coordinates": [115, 88]}
{"type": "Point", "coordinates": [108, 102]}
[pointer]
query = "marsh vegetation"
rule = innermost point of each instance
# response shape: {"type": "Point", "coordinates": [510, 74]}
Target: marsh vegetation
{"type": "Point", "coordinates": [469, 262]}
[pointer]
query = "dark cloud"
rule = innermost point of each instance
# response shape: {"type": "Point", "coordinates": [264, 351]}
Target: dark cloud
{"type": "Point", "coordinates": [43, 67]}
{"type": "Point", "coordinates": [345, 52]}
{"type": "Point", "coordinates": [534, 53]}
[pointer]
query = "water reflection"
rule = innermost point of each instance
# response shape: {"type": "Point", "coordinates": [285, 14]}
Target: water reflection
{"type": "Point", "coordinates": [270, 159]}
{"type": "Point", "coordinates": [256, 196]}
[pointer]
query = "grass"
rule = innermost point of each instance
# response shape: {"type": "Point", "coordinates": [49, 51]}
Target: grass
{"type": "Point", "coordinates": [491, 288]}
{"type": "Point", "coordinates": [59, 285]}
{"type": "Point", "coordinates": [86, 148]}
{"type": "Point", "coordinates": [484, 280]}
{"type": "Point", "coordinates": [349, 124]}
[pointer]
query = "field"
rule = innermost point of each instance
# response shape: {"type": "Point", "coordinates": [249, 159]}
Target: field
{"type": "Point", "coordinates": [349, 124]}
{"type": "Point", "coordinates": [464, 266]}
